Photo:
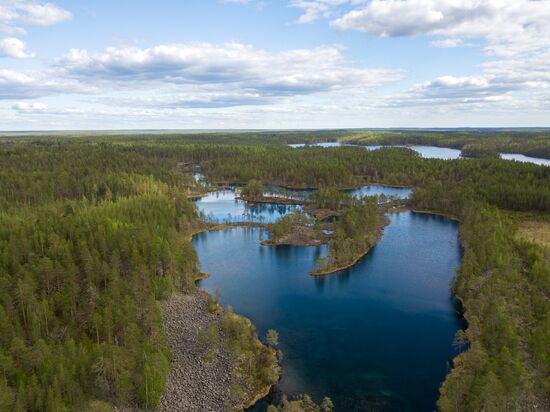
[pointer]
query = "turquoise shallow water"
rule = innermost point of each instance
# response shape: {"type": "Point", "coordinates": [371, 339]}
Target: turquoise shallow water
{"type": "Point", "coordinates": [375, 337]}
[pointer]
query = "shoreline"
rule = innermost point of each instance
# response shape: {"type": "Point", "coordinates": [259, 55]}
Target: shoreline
{"type": "Point", "coordinates": [340, 268]}
{"type": "Point", "coordinates": [330, 271]}
{"type": "Point", "coordinates": [298, 187]}
{"type": "Point", "coordinates": [274, 200]}
{"type": "Point", "coordinates": [194, 383]}
{"type": "Point", "coordinates": [435, 213]}
{"type": "Point", "coordinates": [297, 244]}
{"type": "Point", "coordinates": [261, 394]}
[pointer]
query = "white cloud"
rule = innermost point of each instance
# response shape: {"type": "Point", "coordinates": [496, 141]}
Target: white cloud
{"type": "Point", "coordinates": [500, 81]}
{"type": "Point", "coordinates": [15, 48]}
{"type": "Point", "coordinates": [449, 43]}
{"type": "Point", "coordinates": [258, 4]}
{"type": "Point", "coordinates": [14, 31]}
{"type": "Point", "coordinates": [200, 98]}
{"type": "Point", "coordinates": [45, 14]}
{"type": "Point", "coordinates": [221, 73]}
{"type": "Point", "coordinates": [196, 76]}
{"type": "Point", "coordinates": [236, 85]}
{"type": "Point", "coordinates": [29, 109]}
{"type": "Point", "coordinates": [316, 9]}
{"type": "Point", "coordinates": [509, 26]}
{"type": "Point", "coordinates": [463, 89]}
{"type": "Point", "coordinates": [24, 107]}
{"type": "Point", "coordinates": [16, 84]}
{"type": "Point", "coordinates": [14, 13]}
{"type": "Point", "coordinates": [517, 31]}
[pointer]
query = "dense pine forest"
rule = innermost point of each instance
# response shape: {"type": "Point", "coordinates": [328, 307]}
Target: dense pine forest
{"type": "Point", "coordinates": [355, 232]}
{"type": "Point", "coordinates": [90, 241]}
{"type": "Point", "coordinates": [95, 232]}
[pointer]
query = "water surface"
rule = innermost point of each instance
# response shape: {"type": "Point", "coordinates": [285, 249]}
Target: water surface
{"type": "Point", "coordinates": [377, 190]}
{"type": "Point", "coordinates": [526, 159]}
{"type": "Point", "coordinates": [434, 152]}
{"type": "Point", "coordinates": [428, 152]}
{"type": "Point", "coordinates": [321, 144]}
{"type": "Point", "coordinates": [223, 207]}
{"type": "Point", "coordinates": [368, 190]}
{"type": "Point", "coordinates": [375, 337]}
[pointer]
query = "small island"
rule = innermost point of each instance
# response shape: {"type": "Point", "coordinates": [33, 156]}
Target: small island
{"type": "Point", "coordinates": [351, 226]}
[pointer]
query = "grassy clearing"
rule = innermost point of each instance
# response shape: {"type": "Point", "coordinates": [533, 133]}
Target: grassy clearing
{"type": "Point", "coordinates": [534, 228]}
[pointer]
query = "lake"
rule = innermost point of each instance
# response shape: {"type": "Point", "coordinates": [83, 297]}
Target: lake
{"type": "Point", "coordinates": [222, 206]}
{"type": "Point", "coordinates": [428, 152]}
{"type": "Point", "coordinates": [375, 337]}
{"type": "Point", "coordinates": [434, 152]}
{"type": "Point", "coordinates": [526, 159]}
{"type": "Point", "coordinates": [370, 190]}
{"type": "Point", "coordinates": [377, 190]}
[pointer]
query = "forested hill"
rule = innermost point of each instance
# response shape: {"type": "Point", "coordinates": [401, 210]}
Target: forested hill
{"type": "Point", "coordinates": [90, 240]}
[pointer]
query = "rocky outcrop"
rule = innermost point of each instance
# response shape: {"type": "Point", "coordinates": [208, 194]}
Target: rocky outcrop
{"type": "Point", "coordinates": [194, 384]}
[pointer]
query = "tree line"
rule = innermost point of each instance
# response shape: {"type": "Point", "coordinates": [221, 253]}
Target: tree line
{"type": "Point", "coordinates": [95, 230]}
{"type": "Point", "coordinates": [89, 243]}
{"type": "Point", "coordinates": [504, 286]}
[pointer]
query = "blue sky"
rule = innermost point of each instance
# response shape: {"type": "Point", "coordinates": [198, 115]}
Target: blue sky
{"type": "Point", "coordinates": [274, 64]}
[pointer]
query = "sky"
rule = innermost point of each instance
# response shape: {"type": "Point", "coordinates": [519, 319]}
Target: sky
{"type": "Point", "coordinates": [273, 64]}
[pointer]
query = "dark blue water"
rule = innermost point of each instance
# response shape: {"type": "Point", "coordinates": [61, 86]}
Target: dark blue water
{"type": "Point", "coordinates": [375, 337]}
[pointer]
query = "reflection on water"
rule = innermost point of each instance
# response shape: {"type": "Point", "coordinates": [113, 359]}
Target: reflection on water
{"type": "Point", "coordinates": [375, 337]}
{"type": "Point", "coordinates": [375, 190]}
{"type": "Point", "coordinates": [222, 206]}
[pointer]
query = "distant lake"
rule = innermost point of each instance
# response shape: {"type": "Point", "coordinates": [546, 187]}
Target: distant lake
{"type": "Point", "coordinates": [375, 337]}
{"type": "Point", "coordinates": [428, 152]}
{"type": "Point", "coordinates": [434, 152]}
{"type": "Point", "coordinates": [526, 159]}
{"type": "Point", "coordinates": [322, 144]}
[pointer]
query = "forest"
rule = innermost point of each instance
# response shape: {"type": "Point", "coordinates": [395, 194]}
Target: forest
{"type": "Point", "coordinates": [503, 283]}
{"type": "Point", "coordinates": [92, 238]}
{"type": "Point", "coordinates": [357, 230]}
{"type": "Point", "coordinates": [95, 232]}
